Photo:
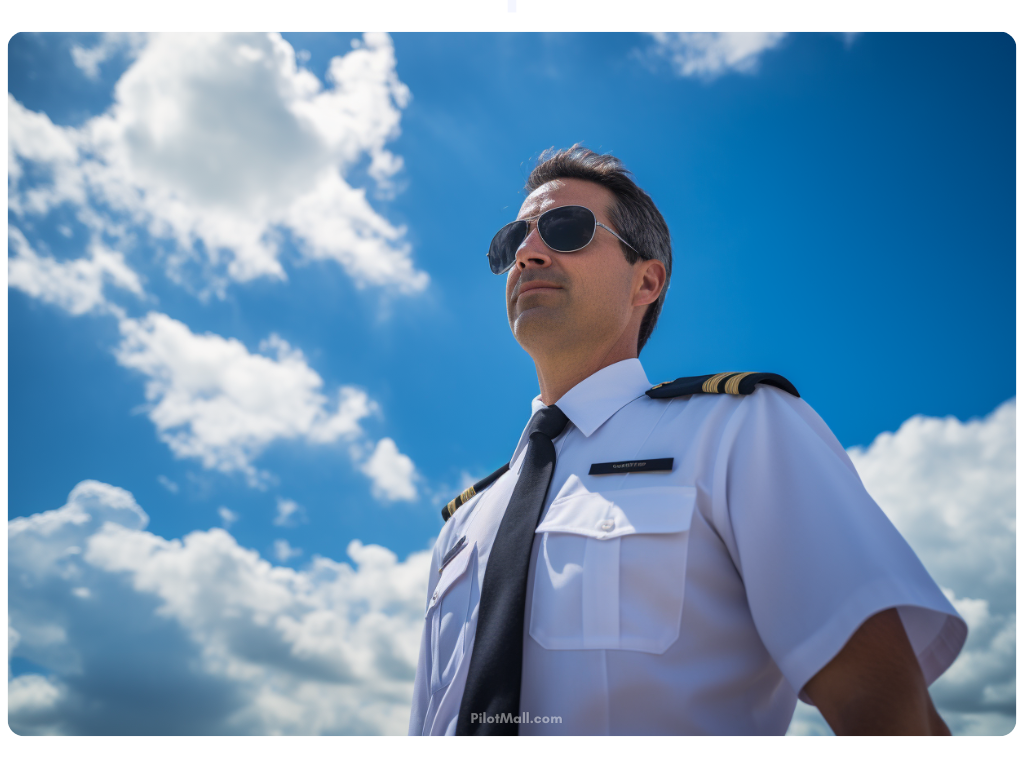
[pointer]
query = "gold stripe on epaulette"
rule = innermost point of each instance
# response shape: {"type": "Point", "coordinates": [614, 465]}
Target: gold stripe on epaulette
{"type": "Point", "coordinates": [711, 385]}
{"type": "Point", "coordinates": [662, 384]}
{"type": "Point", "coordinates": [461, 499]}
{"type": "Point", "coordinates": [732, 386]}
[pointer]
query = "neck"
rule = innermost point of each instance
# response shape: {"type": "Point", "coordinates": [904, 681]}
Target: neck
{"type": "Point", "coordinates": [559, 372]}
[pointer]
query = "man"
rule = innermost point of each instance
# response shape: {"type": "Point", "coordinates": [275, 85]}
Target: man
{"type": "Point", "coordinates": [683, 559]}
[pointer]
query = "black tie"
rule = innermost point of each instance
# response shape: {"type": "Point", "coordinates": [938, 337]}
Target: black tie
{"type": "Point", "coordinates": [496, 666]}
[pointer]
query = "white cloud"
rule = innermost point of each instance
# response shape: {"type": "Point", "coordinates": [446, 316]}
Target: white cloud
{"type": "Point", "coordinates": [289, 513]}
{"type": "Point", "coordinates": [221, 143]}
{"type": "Point", "coordinates": [393, 473]}
{"type": "Point", "coordinates": [167, 483]}
{"type": "Point", "coordinates": [32, 137]}
{"type": "Point", "coordinates": [227, 517]}
{"type": "Point", "coordinates": [707, 55]}
{"type": "Point", "coordinates": [109, 45]}
{"type": "Point", "coordinates": [950, 489]}
{"type": "Point", "coordinates": [32, 697]}
{"type": "Point", "coordinates": [213, 400]}
{"type": "Point", "coordinates": [76, 285]}
{"type": "Point", "coordinates": [201, 635]}
{"type": "Point", "coordinates": [283, 551]}
{"type": "Point", "coordinates": [209, 397]}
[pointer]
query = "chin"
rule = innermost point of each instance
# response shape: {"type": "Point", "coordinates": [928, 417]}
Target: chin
{"type": "Point", "coordinates": [542, 327]}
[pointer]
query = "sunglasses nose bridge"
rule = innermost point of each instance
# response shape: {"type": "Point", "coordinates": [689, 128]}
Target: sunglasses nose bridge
{"type": "Point", "coordinates": [532, 248]}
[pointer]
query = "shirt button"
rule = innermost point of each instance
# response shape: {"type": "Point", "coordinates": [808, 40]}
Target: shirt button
{"type": "Point", "coordinates": [434, 598]}
{"type": "Point", "coordinates": [607, 525]}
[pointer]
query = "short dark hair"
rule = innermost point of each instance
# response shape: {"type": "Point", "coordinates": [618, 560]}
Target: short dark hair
{"type": "Point", "coordinates": [634, 216]}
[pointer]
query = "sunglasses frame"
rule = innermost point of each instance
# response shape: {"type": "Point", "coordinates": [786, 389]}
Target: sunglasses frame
{"type": "Point", "coordinates": [538, 217]}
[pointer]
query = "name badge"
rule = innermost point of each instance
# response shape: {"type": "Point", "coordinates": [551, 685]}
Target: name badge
{"type": "Point", "coordinates": [640, 465]}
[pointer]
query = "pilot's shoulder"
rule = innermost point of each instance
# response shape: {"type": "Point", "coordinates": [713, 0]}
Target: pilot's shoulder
{"type": "Point", "coordinates": [449, 509]}
{"type": "Point", "coordinates": [729, 383]}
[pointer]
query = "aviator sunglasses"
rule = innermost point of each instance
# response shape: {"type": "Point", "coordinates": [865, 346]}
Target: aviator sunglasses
{"type": "Point", "coordinates": [564, 229]}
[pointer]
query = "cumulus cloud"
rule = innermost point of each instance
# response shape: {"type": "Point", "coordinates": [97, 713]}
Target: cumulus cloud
{"type": "Point", "coordinates": [707, 55]}
{"type": "Point", "coordinates": [34, 140]}
{"type": "Point", "coordinates": [393, 473]}
{"type": "Point", "coordinates": [221, 144]}
{"type": "Point", "coordinates": [74, 285]}
{"type": "Point", "coordinates": [283, 551]}
{"type": "Point", "coordinates": [33, 696]}
{"type": "Point", "coordinates": [213, 400]}
{"type": "Point", "coordinates": [210, 398]}
{"type": "Point", "coordinates": [289, 513]}
{"type": "Point", "coordinates": [201, 635]}
{"type": "Point", "coordinates": [226, 148]}
{"type": "Point", "coordinates": [950, 489]}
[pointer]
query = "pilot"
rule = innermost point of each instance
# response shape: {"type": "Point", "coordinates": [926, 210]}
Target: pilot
{"type": "Point", "coordinates": [686, 558]}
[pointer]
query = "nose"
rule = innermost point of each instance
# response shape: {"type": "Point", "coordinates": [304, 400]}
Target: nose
{"type": "Point", "coordinates": [532, 252]}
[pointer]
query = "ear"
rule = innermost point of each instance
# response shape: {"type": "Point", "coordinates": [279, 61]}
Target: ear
{"type": "Point", "coordinates": [649, 282]}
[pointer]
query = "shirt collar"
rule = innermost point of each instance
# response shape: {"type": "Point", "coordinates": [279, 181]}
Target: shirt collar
{"type": "Point", "coordinates": [597, 398]}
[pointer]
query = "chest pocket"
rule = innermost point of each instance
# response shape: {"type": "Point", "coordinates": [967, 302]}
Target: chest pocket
{"type": "Point", "coordinates": [448, 614]}
{"type": "Point", "coordinates": [611, 570]}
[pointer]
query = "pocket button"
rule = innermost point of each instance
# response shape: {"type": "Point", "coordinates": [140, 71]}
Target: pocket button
{"type": "Point", "coordinates": [606, 525]}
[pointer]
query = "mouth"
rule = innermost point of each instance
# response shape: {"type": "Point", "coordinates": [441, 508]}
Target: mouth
{"type": "Point", "coordinates": [538, 287]}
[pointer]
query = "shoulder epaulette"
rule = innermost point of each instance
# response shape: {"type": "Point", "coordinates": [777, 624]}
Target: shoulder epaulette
{"type": "Point", "coordinates": [449, 509]}
{"type": "Point", "coordinates": [730, 383]}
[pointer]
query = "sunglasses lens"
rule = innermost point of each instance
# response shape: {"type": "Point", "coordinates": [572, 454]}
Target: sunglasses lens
{"type": "Point", "coordinates": [502, 254]}
{"type": "Point", "coordinates": [568, 228]}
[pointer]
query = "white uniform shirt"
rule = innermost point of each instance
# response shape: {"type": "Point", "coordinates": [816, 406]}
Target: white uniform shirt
{"type": "Point", "coordinates": [696, 601]}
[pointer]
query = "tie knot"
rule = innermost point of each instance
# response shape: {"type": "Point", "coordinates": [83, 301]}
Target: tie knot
{"type": "Point", "coordinates": [548, 421]}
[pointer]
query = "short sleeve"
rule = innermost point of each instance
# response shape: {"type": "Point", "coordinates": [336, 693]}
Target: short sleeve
{"type": "Point", "coordinates": [421, 684]}
{"type": "Point", "coordinates": [817, 555]}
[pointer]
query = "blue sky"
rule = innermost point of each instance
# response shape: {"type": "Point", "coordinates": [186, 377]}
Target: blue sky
{"type": "Point", "coordinates": [842, 211]}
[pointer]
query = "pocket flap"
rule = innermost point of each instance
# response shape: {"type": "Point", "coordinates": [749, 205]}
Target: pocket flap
{"type": "Point", "coordinates": [451, 573]}
{"type": "Point", "coordinates": [666, 509]}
